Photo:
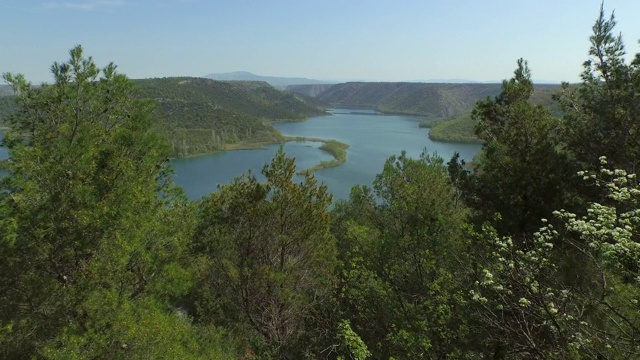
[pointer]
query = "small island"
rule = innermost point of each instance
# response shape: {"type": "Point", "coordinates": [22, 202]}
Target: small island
{"type": "Point", "coordinates": [336, 148]}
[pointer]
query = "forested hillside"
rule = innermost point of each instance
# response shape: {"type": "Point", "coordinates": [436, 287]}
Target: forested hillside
{"type": "Point", "coordinates": [533, 255]}
{"type": "Point", "coordinates": [201, 115]}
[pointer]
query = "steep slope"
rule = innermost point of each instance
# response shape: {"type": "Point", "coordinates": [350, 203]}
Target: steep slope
{"type": "Point", "coordinates": [440, 100]}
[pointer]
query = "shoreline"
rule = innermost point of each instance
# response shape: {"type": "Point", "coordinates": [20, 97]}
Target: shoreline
{"type": "Point", "coordinates": [335, 148]}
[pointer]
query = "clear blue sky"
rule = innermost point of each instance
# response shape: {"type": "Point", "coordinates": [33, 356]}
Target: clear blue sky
{"type": "Point", "coordinates": [372, 40]}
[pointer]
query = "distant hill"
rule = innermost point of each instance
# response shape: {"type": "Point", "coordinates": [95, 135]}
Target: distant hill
{"type": "Point", "coordinates": [6, 90]}
{"type": "Point", "coordinates": [312, 90]}
{"type": "Point", "coordinates": [202, 115]}
{"type": "Point", "coordinates": [428, 99]}
{"type": "Point", "coordinates": [279, 82]}
{"type": "Point", "coordinates": [451, 102]}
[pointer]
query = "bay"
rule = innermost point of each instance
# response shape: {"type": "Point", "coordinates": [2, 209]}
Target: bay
{"type": "Point", "coordinates": [372, 137]}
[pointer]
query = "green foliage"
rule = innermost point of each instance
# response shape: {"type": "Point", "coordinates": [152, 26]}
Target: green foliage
{"type": "Point", "coordinates": [104, 258]}
{"type": "Point", "coordinates": [356, 349]}
{"type": "Point", "coordinates": [268, 259]}
{"type": "Point", "coordinates": [602, 113]}
{"type": "Point", "coordinates": [399, 247]}
{"type": "Point", "coordinates": [529, 304]}
{"type": "Point", "coordinates": [520, 171]}
{"type": "Point", "coordinates": [7, 108]}
{"type": "Point", "coordinates": [92, 249]}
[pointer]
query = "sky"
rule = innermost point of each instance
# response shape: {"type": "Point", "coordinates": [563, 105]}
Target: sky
{"type": "Point", "coordinates": [333, 40]}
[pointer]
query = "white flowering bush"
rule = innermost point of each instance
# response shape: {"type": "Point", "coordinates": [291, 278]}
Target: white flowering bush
{"type": "Point", "coordinates": [532, 308]}
{"type": "Point", "coordinates": [610, 232]}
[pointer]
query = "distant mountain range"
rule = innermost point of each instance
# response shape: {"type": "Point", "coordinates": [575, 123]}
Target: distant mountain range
{"type": "Point", "coordinates": [275, 81]}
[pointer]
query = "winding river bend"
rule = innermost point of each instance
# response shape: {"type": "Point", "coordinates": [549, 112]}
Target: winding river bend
{"type": "Point", "coordinates": [372, 137]}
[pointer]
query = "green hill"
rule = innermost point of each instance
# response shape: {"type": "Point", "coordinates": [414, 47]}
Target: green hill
{"type": "Point", "coordinates": [201, 115]}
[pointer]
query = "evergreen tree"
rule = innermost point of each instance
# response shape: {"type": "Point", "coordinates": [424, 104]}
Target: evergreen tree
{"type": "Point", "coordinates": [268, 261]}
{"type": "Point", "coordinates": [602, 113]}
{"type": "Point", "coordinates": [399, 247]}
{"type": "Point", "coordinates": [520, 172]}
{"type": "Point", "coordinates": [91, 235]}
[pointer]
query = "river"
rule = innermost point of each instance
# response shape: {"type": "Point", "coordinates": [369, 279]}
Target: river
{"type": "Point", "coordinates": [372, 137]}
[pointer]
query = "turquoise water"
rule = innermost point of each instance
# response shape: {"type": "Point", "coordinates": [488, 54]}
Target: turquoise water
{"type": "Point", "coordinates": [372, 137]}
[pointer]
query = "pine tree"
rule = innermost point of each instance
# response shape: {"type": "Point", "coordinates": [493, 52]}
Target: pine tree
{"type": "Point", "coordinates": [90, 236]}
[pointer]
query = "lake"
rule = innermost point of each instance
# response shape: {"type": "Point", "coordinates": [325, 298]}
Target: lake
{"type": "Point", "coordinates": [372, 137]}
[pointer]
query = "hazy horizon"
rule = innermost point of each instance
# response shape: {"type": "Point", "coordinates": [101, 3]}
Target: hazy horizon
{"type": "Point", "coordinates": [413, 41]}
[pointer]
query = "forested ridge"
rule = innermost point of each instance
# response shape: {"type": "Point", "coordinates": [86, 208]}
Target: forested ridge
{"type": "Point", "coordinates": [533, 255]}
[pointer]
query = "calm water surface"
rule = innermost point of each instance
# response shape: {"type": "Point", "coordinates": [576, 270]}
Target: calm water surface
{"type": "Point", "coordinates": [372, 137]}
